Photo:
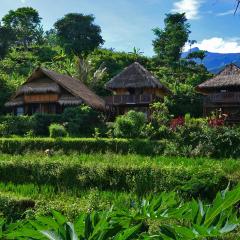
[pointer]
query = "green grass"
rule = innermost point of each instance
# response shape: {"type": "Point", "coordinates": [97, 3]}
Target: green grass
{"type": "Point", "coordinates": [81, 182]}
{"type": "Point", "coordinates": [46, 198]}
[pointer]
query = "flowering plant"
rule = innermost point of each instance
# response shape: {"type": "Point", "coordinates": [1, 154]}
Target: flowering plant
{"type": "Point", "coordinates": [176, 122]}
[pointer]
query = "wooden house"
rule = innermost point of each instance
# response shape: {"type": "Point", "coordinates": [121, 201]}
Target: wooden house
{"type": "Point", "coordinates": [46, 91]}
{"type": "Point", "coordinates": [135, 88]}
{"type": "Point", "coordinates": [222, 93]}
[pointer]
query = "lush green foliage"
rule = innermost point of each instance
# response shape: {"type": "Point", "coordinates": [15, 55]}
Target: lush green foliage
{"type": "Point", "coordinates": [173, 220]}
{"type": "Point", "coordinates": [197, 55]}
{"type": "Point", "coordinates": [129, 125]}
{"type": "Point", "coordinates": [78, 34]}
{"type": "Point", "coordinates": [195, 137]}
{"type": "Point", "coordinates": [191, 177]}
{"type": "Point", "coordinates": [170, 41]}
{"type": "Point", "coordinates": [6, 39]}
{"type": "Point", "coordinates": [82, 121]}
{"type": "Point", "coordinates": [57, 130]}
{"type": "Point", "coordinates": [17, 145]}
{"type": "Point", "coordinates": [25, 25]}
{"type": "Point", "coordinates": [74, 119]}
{"type": "Point", "coordinates": [48, 50]}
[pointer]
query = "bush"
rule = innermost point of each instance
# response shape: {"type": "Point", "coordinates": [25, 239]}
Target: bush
{"type": "Point", "coordinates": [41, 123]}
{"type": "Point", "coordinates": [81, 121]}
{"type": "Point", "coordinates": [129, 125]}
{"type": "Point", "coordinates": [57, 130]}
{"type": "Point", "coordinates": [3, 130]}
{"type": "Point", "coordinates": [21, 125]}
{"type": "Point", "coordinates": [15, 125]}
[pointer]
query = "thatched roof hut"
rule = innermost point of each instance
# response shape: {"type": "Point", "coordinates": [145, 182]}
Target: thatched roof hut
{"type": "Point", "coordinates": [135, 76]}
{"type": "Point", "coordinates": [227, 79]}
{"type": "Point", "coordinates": [71, 91]}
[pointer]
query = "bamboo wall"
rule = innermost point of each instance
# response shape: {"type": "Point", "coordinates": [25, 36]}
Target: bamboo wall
{"type": "Point", "coordinates": [40, 98]}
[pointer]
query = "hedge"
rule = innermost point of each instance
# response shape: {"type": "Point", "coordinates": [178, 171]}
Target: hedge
{"type": "Point", "coordinates": [81, 145]}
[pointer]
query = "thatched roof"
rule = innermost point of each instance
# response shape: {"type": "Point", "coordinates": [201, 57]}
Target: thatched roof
{"type": "Point", "coordinates": [15, 102]}
{"type": "Point", "coordinates": [72, 85]}
{"type": "Point", "coordinates": [228, 77]}
{"type": "Point", "coordinates": [42, 85]}
{"type": "Point", "coordinates": [135, 76]}
{"type": "Point", "coordinates": [69, 100]}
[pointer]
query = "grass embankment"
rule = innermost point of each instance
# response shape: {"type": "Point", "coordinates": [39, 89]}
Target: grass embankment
{"type": "Point", "coordinates": [19, 145]}
{"type": "Point", "coordinates": [74, 183]}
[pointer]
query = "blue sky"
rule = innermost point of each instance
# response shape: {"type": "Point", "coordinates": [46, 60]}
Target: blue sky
{"type": "Point", "coordinates": [128, 23]}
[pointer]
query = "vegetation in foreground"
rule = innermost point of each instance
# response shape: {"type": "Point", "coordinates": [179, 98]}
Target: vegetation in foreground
{"type": "Point", "coordinates": [33, 184]}
{"type": "Point", "coordinates": [162, 217]}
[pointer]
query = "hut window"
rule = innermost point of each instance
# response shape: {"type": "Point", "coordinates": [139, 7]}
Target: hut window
{"type": "Point", "coordinates": [20, 111]}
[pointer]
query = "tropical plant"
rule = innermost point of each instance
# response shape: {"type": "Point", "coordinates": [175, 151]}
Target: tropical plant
{"type": "Point", "coordinates": [175, 220]}
{"type": "Point", "coordinates": [87, 74]}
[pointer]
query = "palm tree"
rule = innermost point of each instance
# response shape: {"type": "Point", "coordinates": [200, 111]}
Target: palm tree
{"type": "Point", "coordinates": [87, 73]}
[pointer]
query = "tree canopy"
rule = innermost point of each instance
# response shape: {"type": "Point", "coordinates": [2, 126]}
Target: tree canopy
{"type": "Point", "coordinates": [170, 41]}
{"type": "Point", "coordinates": [7, 38]}
{"type": "Point", "coordinates": [26, 24]}
{"type": "Point", "coordinates": [78, 34]}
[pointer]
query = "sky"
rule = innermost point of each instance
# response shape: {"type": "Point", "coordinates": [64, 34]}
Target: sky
{"type": "Point", "coordinates": [127, 24]}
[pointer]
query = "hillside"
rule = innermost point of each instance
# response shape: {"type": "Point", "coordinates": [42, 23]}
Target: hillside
{"type": "Point", "coordinates": [215, 61]}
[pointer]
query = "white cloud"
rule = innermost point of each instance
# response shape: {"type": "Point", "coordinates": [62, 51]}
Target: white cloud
{"type": "Point", "coordinates": [190, 7]}
{"type": "Point", "coordinates": [229, 12]}
{"type": "Point", "coordinates": [219, 45]}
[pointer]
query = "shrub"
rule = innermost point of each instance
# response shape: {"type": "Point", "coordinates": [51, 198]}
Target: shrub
{"type": "Point", "coordinates": [81, 121]}
{"type": "Point", "coordinates": [177, 122]}
{"type": "Point", "coordinates": [22, 125]}
{"type": "Point", "coordinates": [3, 130]}
{"type": "Point", "coordinates": [57, 130]}
{"type": "Point", "coordinates": [16, 125]}
{"type": "Point", "coordinates": [41, 123]}
{"type": "Point", "coordinates": [129, 125]}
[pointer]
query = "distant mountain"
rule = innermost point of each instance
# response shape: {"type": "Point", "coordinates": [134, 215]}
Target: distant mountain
{"type": "Point", "coordinates": [214, 62]}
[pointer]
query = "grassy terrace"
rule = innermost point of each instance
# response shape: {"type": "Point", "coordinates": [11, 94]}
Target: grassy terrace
{"type": "Point", "coordinates": [74, 183]}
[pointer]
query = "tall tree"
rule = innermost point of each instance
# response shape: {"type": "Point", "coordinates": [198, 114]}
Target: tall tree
{"type": "Point", "coordinates": [170, 41]}
{"type": "Point", "coordinates": [78, 34]}
{"type": "Point", "coordinates": [26, 24]}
